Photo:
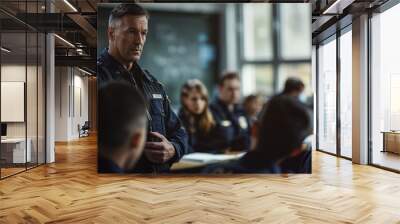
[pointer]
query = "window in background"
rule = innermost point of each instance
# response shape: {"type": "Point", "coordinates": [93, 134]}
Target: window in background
{"type": "Point", "coordinates": [346, 94]}
{"type": "Point", "coordinates": [327, 97]}
{"type": "Point", "coordinates": [276, 45]}
{"type": "Point", "coordinates": [295, 43]}
{"type": "Point", "coordinates": [257, 29]}
{"type": "Point", "coordinates": [300, 71]}
{"type": "Point", "coordinates": [257, 78]}
{"type": "Point", "coordinates": [385, 89]}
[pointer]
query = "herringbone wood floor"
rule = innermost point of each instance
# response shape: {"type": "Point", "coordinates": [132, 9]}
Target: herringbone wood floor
{"type": "Point", "coordinates": [70, 191]}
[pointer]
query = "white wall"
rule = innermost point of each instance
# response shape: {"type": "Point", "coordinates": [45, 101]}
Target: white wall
{"type": "Point", "coordinates": [71, 93]}
{"type": "Point", "coordinates": [16, 73]}
{"type": "Point", "coordinates": [61, 103]}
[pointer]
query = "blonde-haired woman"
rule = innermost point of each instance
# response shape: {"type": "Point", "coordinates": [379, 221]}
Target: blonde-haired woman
{"type": "Point", "coordinates": [197, 118]}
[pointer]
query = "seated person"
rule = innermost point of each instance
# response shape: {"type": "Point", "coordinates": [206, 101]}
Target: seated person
{"type": "Point", "coordinates": [197, 118]}
{"type": "Point", "coordinates": [122, 128]}
{"type": "Point", "coordinates": [294, 87]}
{"type": "Point", "coordinates": [253, 105]}
{"type": "Point", "coordinates": [299, 163]}
{"type": "Point", "coordinates": [280, 149]}
{"type": "Point", "coordinates": [230, 118]}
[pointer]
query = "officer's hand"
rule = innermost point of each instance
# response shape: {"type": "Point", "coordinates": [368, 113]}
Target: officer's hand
{"type": "Point", "coordinates": [159, 152]}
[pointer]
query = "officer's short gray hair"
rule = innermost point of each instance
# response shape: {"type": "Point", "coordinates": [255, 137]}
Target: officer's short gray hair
{"type": "Point", "coordinates": [124, 9]}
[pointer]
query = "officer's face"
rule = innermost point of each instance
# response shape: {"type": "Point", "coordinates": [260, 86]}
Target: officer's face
{"type": "Point", "coordinates": [128, 37]}
{"type": "Point", "coordinates": [230, 91]}
{"type": "Point", "coordinates": [196, 103]}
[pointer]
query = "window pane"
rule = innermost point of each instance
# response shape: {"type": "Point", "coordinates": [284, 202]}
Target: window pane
{"type": "Point", "coordinates": [327, 97]}
{"type": "Point", "coordinates": [257, 31]}
{"type": "Point", "coordinates": [257, 78]}
{"type": "Point", "coordinates": [295, 31]}
{"type": "Point", "coordinates": [345, 94]}
{"type": "Point", "coordinates": [385, 88]}
{"type": "Point", "coordinates": [301, 71]}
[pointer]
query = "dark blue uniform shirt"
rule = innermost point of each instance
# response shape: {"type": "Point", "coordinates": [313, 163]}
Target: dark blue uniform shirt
{"type": "Point", "coordinates": [160, 115]}
{"type": "Point", "coordinates": [199, 141]}
{"type": "Point", "coordinates": [233, 126]}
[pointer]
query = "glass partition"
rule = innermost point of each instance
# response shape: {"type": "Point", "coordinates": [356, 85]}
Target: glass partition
{"type": "Point", "coordinates": [22, 90]}
{"type": "Point", "coordinates": [14, 143]}
{"type": "Point", "coordinates": [327, 97]}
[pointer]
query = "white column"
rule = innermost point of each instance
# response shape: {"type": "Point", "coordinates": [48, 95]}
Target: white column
{"type": "Point", "coordinates": [50, 92]}
{"type": "Point", "coordinates": [50, 99]}
{"type": "Point", "coordinates": [360, 90]}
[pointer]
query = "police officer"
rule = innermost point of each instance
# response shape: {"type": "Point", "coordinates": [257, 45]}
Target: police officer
{"type": "Point", "coordinates": [229, 116]}
{"type": "Point", "coordinates": [167, 139]}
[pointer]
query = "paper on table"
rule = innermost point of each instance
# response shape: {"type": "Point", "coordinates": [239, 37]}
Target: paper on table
{"type": "Point", "coordinates": [207, 157]}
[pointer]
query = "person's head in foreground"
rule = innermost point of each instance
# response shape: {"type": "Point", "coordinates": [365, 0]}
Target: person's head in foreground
{"type": "Point", "coordinates": [194, 100]}
{"type": "Point", "coordinates": [122, 127]}
{"type": "Point", "coordinates": [229, 88]}
{"type": "Point", "coordinates": [127, 31]}
{"type": "Point", "coordinates": [283, 128]}
{"type": "Point", "coordinates": [293, 87]}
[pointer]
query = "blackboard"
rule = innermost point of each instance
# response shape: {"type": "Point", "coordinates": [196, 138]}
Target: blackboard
{"type": "Point", "coordinates": [181, 46]}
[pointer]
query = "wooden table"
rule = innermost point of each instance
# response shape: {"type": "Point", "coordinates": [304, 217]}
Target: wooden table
{"type": "Point", "coordinates": [391, 141]}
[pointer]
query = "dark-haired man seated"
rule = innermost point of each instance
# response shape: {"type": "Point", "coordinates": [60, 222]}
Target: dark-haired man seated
{"type": "Point", "coordinates": [122, 128]}
{"type": "Point", "coordinates": [279, 148]}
